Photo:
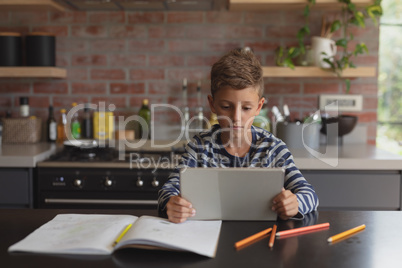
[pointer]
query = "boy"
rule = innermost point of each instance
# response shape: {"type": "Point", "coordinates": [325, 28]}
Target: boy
{"type": "Point", "coordinates": [236, 97]}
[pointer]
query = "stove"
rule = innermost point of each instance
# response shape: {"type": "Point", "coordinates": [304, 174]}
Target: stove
{"type": "Point", "coordinates": [103, 178]}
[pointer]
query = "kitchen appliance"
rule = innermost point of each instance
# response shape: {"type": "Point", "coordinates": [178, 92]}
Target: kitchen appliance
{"type": "Point", "coordinates": [103, 177]}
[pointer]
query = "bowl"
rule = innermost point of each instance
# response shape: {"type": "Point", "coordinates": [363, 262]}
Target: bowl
{"type": "Point", "coordinates": [346, 123]}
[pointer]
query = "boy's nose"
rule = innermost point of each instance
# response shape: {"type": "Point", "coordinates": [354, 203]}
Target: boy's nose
{"type": "Point", "coordinates": [236, 116]}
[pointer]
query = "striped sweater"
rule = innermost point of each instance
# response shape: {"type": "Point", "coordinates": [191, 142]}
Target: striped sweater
{"type": "Point", "coordinates": [267, 151]}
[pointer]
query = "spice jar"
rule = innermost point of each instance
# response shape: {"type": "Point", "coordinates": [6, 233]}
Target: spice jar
{"type": "Point", "coordinates": [10, 49]}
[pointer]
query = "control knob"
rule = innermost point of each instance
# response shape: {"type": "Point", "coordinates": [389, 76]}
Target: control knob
{"type": "Point", "coordinates": [77, 183]}
{"type": "Point", "coordinates": [108, 182]}
{"type": "Point", "coordinates": [155, 183]}
{"type": "Point", "coordinates": [139, 182]}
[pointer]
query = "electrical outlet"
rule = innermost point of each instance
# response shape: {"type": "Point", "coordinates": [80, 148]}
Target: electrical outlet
{"type": "Point", "coordinates": [345, 103]}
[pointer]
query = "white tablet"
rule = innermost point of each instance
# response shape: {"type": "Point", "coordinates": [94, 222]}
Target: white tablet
{"type": "Point", "coordinates": [243, 194]}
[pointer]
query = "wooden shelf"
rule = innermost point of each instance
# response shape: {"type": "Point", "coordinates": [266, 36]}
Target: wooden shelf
{"type": "Point", "coordinates": [29, 5]}
{"type": "Point", "coordinates": [262, 5]}
{"type": "Point", "coordinates": [32, 72]}
{"type": "Point", "coordinates": [316, 72]}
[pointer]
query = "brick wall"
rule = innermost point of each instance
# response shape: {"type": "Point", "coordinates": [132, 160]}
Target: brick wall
{"type": "Point", "coordinates": [123, 57]}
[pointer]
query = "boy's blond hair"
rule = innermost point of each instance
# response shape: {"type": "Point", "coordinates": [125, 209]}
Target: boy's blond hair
{"type": "Point", "coordinates": [238, 69]}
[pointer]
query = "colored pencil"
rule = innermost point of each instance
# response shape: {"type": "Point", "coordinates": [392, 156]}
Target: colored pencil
{"type": "Point", "coordinates": [252, 238]}
{"type": "Point", "coordinates": [346, 233]}
{"type": "Point", "coordinates": [303, 229]}
{"type": "Point", "coordinates": [121, 235]}
{"type": "Point", "coordinates": [272, 238]}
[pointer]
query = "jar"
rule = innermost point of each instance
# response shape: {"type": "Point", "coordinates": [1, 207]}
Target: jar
{"type": "Point", "coordinates": [41, 49]}
{"type": "Point", "coordinates": [10, 49]}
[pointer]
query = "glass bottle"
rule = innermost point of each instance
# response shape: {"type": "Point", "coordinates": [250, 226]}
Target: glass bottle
{"type": "Point", "coordinates": [145, 113]}
{"type": "Point", "coordinates": [262, 119]}
{"type": "Point", "coordinates": [75, 124]}
{"type": "Point", "coordinates": [24, 106]}
{"type": "Point", "coordinates": [87, 125]}
{"type": "Point", "coordinates": [51, 126]}
{"type": "Point", "coordinates": [61, 127]}
{"type": "Point", "coordinates": [200, 114]}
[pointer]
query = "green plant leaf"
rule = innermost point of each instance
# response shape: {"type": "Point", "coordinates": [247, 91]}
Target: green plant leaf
{"type": "Point", "coordinates": [351, 65]}
{"type": "Point", "coordinates": [336, 25]}
{"type": "Point", "coordinates": [351, 7]}
{"type": "Point", "coordinates": [347, 82]}
{"type": "Point", "coordinates": [306, 12]}
{"type": "Point", "coordinates": [360, 49]}
{"type": "Point", "coordinates": [342, 42]}
{"type": "Point", "coordinates": [330, 62]}
{"type": "Point", "coordinates": [359, 16]}
{"type": "Point", "coordinates": [373, 12]}
{"type": "Point", "coordinates": [303, 32]}
{"type": "Point", "coordinates": [288, 63]}
{"type": "Point", "coordinates": [293, 52]}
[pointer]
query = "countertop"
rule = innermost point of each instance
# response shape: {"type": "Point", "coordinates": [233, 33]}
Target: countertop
{"type": "Point", "coordinates": [347, 157]}
{"type": "Point", "coordinates": [25, 155]}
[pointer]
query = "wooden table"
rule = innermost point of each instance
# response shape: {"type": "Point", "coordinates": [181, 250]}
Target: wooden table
{"type": "Point", "coordinates": [379, 245]}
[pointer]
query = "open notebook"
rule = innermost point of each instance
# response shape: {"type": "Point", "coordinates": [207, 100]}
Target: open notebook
{"type": "Point", "coordinates": [96, 234]}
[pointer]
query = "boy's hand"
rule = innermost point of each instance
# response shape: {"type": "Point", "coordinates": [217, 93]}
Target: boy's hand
{"type": "Point", "coordinates": [179, 209]}
{"type": "Point", "coordinates": [285, 204]}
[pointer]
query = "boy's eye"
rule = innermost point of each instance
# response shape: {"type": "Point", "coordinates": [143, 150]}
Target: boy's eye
{"type": "Point", "coordinates": [225, 107]}
{"type": "Point", "coordinates": [246, 108]}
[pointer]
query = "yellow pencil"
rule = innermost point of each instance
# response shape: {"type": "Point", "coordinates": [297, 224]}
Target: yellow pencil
{"type": "Point", "coordinates": [346, 233]}
{"type": "Point", "coordinates": [121, 235]}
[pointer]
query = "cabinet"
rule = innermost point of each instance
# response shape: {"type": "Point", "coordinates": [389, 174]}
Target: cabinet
{"type": "Point", "coordinates": [16, 188]}
{"type": "Point", "coordinates": [356, 190]}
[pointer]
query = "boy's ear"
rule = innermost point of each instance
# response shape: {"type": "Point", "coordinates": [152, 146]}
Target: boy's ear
{"type": "Point", "coordinates": [211, 104]}
{"type": "Point", "coordinates": [260, 104]}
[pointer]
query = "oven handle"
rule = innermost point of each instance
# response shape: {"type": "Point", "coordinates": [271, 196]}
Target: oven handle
{"type": "Point", "coordinates": [100, 201]}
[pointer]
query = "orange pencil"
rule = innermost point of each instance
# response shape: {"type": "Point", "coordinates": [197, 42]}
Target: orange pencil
{"type": "Point", "coordinates": [252, 238]}
{"type": "Point", "coordinates": [303, 229]}
{"type": "Point", "coordinates": [272, 238]}
{"type": "Point", "coordinates": [346, 233]}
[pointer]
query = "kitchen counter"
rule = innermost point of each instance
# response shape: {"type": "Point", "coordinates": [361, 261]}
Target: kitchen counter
{"type": "Point", "coordinates": [25, 155]}
{"type": "Point", "coordinates": [347, 157]}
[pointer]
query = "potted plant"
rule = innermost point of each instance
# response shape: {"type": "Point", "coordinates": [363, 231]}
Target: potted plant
{"type": "Point", "coordinates": [350, 15]}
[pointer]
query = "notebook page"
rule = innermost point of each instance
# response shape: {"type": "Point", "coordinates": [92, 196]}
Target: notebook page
{"type": "Point", "coordinates": [200, 237]}
{"type": "Point", "coordinates": [75, 234]}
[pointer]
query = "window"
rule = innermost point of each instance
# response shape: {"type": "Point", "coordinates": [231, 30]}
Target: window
{"type": "Point", "coordinates": [389, 129]}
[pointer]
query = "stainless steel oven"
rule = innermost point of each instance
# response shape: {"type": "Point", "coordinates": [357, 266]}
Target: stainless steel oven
{"type": "Point", "coordinates": [101, 178]}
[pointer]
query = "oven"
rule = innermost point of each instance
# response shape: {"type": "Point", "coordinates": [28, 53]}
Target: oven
{"type": "Point", "coordinates": [103, 178]}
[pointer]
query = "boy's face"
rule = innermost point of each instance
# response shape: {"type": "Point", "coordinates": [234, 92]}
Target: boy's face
{"type": "Point", "coordinates": [236, 108]}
